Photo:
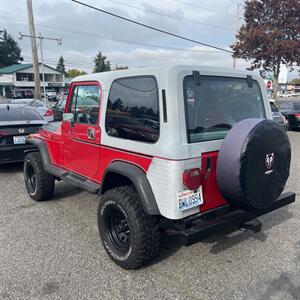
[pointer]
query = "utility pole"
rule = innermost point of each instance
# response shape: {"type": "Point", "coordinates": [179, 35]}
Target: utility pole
{"type": "Point", "coordinates": [237, 28]}
{"type": "Point", "coordinates": [43, 69]}
{"type": "Point", "coordinates": [41, 38]}
{"type": "Point", "coordinates": [35, 61]}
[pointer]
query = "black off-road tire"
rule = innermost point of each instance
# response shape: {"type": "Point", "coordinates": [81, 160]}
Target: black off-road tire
{"type": "Point", "coordinates": [39, 184]}
{"type": "Point", "coordinates": [139, 242]}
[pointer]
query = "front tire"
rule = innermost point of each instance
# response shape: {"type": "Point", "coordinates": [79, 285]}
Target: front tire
{"type": "Point", "coordinates": [130, 237]}
{"type": "Point", "coordinates": [39, 184]}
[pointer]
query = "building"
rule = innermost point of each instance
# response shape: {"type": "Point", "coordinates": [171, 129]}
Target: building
{"type": "Point", "coordinates": [21, 76]}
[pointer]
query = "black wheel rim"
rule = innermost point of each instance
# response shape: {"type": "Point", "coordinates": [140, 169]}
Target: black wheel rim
{"type": "Point", "coordinates": [117, 229]}
{"type": "Point", "coordinates": [31, 178]}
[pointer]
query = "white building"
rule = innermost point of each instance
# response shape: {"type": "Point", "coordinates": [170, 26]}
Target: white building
{"type": "Point", "coordinates": [21, 76]}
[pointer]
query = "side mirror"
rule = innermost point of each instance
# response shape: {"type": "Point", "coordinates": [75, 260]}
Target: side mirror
{"type": "Point", "coordinates": [68, 117]}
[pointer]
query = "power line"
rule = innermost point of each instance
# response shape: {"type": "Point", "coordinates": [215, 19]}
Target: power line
{"type": "Point", "coordinates": [173, 17]}
{"type": "Point", "coordinates": [85, 33]}
{"type": "Point", "coordinates": [150, 27]}
{"type": "Point", "coordinates": [206, 8]}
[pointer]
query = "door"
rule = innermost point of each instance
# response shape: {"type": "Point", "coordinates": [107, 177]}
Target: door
{"type": "Point", "coordinates": [83, 146]}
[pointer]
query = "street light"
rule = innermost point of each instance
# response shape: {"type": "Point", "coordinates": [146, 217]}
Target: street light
{"type": "Point", "coordinates": [41, 38]}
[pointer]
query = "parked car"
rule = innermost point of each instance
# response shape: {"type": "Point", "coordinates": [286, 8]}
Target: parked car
{"type": "Point", "coordinates": [58, 109]}
{"type": "Point", "coordinates": [291, 111]}
{"type": "Point", "coordinates": [51, 95]}
{"type": "Point", "coordinates": [28, 93]}
{"type": "Point", "coordinates": [39, 106]}
{"type": "Point", "coordinates": [285, 95]}
{"type": "Point", "coordinates": [211, 157]}
{"type": "Point", "coordinates": [18, 95]}
{"type": "Point", "coordinates": [62, 95]}
{"type": "Point", "coordinates": [17, 122]}
{"type": "Point", "coordinates": [278, 116]}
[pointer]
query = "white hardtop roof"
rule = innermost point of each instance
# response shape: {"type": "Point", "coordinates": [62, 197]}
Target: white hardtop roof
{"type": "Point", "coordinates": [107, 77]}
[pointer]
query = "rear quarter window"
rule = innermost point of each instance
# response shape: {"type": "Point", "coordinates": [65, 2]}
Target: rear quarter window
{"type": "Point", "coordinates": [133, 110]}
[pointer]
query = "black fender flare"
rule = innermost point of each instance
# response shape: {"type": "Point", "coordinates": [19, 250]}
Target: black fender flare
{"type": "Point", "coordinates": [139, 179]}
{"type": "Point", "coordinates": [42, 148]}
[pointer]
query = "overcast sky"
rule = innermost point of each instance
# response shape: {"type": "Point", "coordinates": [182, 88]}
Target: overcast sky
{"type": "Point", "coordinates": [84, 32]}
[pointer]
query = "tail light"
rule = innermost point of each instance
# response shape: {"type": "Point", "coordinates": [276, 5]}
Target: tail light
{"type": "Point", "coordinates": [297, 116]}
{"type": "Point", "coordinates": [2, 133]}
{"type": "Point", "coordinates": [49, 113]}
{"type": "Point", "coordinates": [192, 178]}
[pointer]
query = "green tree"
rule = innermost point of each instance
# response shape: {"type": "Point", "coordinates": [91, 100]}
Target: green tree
{"type": "Point", "coordinates": [10, 52]}
{"type": "Point", "coordinates": [74, 73]}
{"type": "Point", "coordinates": [101, 64]}
{"type": "Point", "coordinates": [270, 35]}
{"type": "Point", "coordinates": [61, 66]}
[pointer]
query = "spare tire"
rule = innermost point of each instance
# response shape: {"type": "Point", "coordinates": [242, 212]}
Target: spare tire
{"type": "Point", "coordinates": [253, 164]}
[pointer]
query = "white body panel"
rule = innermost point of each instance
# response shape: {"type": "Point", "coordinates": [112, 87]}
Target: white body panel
{"type": "Point", "coordinates": [172, 154]}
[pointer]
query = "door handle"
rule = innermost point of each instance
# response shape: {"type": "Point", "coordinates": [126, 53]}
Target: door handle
{"type": "Point", "coordinates": [91, 133]}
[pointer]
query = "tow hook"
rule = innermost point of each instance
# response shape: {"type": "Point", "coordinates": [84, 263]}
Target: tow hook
{"type": "Point", "coordinates": [253, 225]}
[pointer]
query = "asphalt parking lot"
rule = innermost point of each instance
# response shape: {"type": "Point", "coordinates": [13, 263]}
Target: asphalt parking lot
{"type": "Point", "coordinates": [51, 250]}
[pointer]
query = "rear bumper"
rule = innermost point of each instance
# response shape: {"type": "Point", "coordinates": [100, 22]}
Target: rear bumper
{"type": "Point", "coordinates": [13, 153]}
{"type": "Point", "coordinates": [210, 223]}
{"type": "Point", "coordinates": [295, 124]}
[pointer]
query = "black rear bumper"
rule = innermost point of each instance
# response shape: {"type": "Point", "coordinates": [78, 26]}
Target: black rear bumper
{"type": "Point", "coordinates": [210, 223]}
{"type": "Point", "coordinates": [13, 153]}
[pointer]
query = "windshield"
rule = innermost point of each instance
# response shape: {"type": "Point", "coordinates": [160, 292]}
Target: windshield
{"type": "Point", "coordinates": [215, 105]}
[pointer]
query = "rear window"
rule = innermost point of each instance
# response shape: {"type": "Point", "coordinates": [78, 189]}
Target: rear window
{"type": "Point", "coordinates": [285, 106]}
{"type": "Point", "coordinates": [297, 106]}
{"type": "Point", "coordinates": [18, 114]}
{"type": "Point", "coordinates": [215, 105]}
{"type": "Point", "coordinates": [132, 109]}
{"type": "Point", "coordinates": [37, 103]}
{"type": "Point", "coordinates": [61, 103]}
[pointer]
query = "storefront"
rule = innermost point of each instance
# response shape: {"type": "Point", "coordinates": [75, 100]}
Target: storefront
{"type": "Point", "coordinates": [21, 76]}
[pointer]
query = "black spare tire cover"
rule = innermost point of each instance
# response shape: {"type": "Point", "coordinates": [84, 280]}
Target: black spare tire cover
{"type": "Point", "coordinates": [253, 164]}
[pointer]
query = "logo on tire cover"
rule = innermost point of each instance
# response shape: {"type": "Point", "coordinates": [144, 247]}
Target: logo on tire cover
{"type": "Point", "coordinates": [269, 160]}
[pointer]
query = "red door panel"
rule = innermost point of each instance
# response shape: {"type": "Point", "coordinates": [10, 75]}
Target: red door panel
{"type": "Point", "coordinates": [82, 148]}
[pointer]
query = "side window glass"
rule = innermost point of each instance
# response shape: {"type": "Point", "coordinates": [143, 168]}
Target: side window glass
{"type": "Point", "coordinates": [132, 109]}
{"type": "Point", "coordinates": [85, 104]}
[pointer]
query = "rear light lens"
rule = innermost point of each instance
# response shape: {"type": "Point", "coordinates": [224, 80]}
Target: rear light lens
{"type": "Point", "coordinates": [49, 113]}
{"type": "Point", "coordinates": [2, 133]}
{"type": "Point", "coordinates": [297, 116]}
{"type": "Point", "coordinates": [192, 178]}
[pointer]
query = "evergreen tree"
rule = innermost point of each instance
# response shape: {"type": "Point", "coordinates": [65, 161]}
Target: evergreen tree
{"type": "Point", "coordinates": [61, 66]}
{"type": "Point", "coordinates": [101, 64]}
{"type": "Point", "coordinates": [10, 52]}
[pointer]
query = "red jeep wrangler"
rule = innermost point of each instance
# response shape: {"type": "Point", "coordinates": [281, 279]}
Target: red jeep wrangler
{"type": "Point", "coordinates": [186, 148]}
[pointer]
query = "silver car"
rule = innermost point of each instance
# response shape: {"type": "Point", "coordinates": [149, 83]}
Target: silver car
{"type": "Point", "coordinates": [38, 105]}
{"type": "Point", "coordinates": [277, 115]}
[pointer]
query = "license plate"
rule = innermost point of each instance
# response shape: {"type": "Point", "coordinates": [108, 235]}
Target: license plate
{"type": "Point", "coordinates": [189, 199]}
{"type": "Point", "coordinates": [19, 139]}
